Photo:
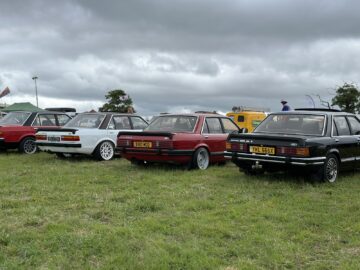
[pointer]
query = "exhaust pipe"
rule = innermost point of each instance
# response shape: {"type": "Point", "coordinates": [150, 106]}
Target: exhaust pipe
{"type": "Point", "coordinates": [257, 166]}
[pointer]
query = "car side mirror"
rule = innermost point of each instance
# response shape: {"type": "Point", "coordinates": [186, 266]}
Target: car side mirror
{"type": "Point", "coordinates": [243, 130]}
{"type": "Point", "coordinates": [357, 132]}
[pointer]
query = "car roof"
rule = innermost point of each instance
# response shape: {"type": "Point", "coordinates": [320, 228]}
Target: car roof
{"type": "Point", "coordinates": [314, 111]}
{"type": "Point", "coordinates": [40, 112]}
{"type": "Point", "coordinates": [110, 113]}
{"type": "Point", "coordinates": [192, 114]}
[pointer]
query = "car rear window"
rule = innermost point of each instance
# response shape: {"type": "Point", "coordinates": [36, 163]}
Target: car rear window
{"type": "Point", "coordinates": [15, 118]}
{"type": "Point", "coordinates": [175, 123]}
{"type": "Point", "coordinates": [86, 121]}
{"type": "Point", "coordinates": [303, 124]}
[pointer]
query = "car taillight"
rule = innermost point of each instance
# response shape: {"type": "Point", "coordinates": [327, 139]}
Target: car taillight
{"type": "Point", "coordinates": [293, 151]}
{"type": "Point", "coordinates": [41, 137]}
{"type": "Point", "coordinates": [164, 144]}
{"type": "Point", "coordinates": [124, 143]}
{"type": "Point", "coordinates": [70, 138]}
{"type": "Point", "coordinates": [237, 147]}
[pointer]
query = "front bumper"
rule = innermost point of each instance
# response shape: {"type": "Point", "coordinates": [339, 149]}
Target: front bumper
{"type": "Point", "coordinates": [296, 161]}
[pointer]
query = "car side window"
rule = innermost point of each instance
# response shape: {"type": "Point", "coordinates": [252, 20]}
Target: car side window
{"type": "Point", "coordinates": [354, 124]}
{"type": "Point", "coordinates": [229, 126]}
{"type": "Point", "coordinates": [121, 122]}
{"type": "Point", "coordinates": [138, 123]}
{"type": "Point", "coordinates": [111, 124]}
{"type": "Point", "coordinates": [241, 118]}
{"type": "Point", "coordinates": [45, 120]}
{"type": "Point", "coordinates": [342, 126]}
{"type": "Point", "coordinates": [63, 119]}
{"type": "Point", "coordinates": [214, 125]}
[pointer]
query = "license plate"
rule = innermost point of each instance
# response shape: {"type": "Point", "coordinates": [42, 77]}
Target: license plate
{"type": "Point", "coordinates": [53, 139]}
{"type": "Point", "coordinates": [143, 144]}
{"type": "Point", "coordinates": [262, 150]}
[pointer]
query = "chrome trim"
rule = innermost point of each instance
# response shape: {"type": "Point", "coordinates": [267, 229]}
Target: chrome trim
{"type": "Point", "coordinates": [294, 159]}
{"type": "Point", "coordinates": [348, 159]}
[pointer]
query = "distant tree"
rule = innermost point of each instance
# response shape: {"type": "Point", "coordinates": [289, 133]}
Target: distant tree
{"type": "Point", "coordinates": [118, 101]}
{"type": "Point", "coordinates": [347, 98]}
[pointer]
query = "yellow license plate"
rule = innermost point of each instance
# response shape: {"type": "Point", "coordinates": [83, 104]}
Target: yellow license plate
{"type": "Point", "coordinates": [262, 150]}
{"type": "Point", "coordinates": [143, 144]}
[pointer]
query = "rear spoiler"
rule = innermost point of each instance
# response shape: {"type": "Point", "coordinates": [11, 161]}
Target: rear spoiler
{"type": "Point", "coordinates": [146, 133]}
{"type": "Point", "coordinates": [52, 129]}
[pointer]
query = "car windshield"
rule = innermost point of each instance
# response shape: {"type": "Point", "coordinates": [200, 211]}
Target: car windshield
{"type": "Point", "coordinates": [173, 123]}
{"type": "Point", "coordinates": [303, 124]}
{"type": "Point", "coordinates": [86, 121]}
{"type": "Point", "coordinates": [15, 118]}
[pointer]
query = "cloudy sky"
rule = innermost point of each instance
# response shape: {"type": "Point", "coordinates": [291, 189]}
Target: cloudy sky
{"type": "Point", "coordinates": [178, 55]}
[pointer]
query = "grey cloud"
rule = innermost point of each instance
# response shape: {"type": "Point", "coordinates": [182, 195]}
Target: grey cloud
{"type": "Point", "coordinates": [170, 55]}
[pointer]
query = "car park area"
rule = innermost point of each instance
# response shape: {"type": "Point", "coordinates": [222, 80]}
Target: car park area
{"type": "Point", "coordinates": [87, 214]}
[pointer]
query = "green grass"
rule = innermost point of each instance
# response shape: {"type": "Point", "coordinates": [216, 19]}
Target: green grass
{"type": "Point", "coordinates": [82, 214]}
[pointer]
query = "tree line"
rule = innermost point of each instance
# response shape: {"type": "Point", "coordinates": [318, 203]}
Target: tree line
{"type": "Point", "coordinates": [347, 98]}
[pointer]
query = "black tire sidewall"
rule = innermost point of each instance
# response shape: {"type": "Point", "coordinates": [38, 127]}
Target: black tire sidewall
{"type": "Point", "coordinates": [328, 157]}
{"type": "Point", "coordinates": [21, 146]}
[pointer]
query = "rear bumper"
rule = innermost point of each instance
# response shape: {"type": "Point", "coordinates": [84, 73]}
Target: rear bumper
{"type": "Point", "coordinates": [73, 145]}
{"type": "Point", "coordinates": [159, 152]}
{"type": "Point", "coordinates": [295, 161]}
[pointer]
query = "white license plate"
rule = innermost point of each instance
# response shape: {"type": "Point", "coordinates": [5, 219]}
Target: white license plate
{"type": "Point", "coordinates": [53, 139]}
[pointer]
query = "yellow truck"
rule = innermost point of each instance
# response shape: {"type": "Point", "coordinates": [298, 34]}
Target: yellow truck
{"type": "Point", "coordinates": [247, 118]}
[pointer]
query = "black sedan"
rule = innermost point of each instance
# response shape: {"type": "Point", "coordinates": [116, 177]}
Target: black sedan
{"type": "Point", "coordinates": [316, 141]}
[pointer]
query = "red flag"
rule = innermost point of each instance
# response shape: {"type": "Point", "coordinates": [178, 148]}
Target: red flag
{"type": "Point", "coordinates": [5, 92]}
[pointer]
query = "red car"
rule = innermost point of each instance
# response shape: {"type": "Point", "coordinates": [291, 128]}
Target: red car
{"type": "Point", "coordinates": [196, 140]}
{"type": "Point", "coordinates": [17, 129]}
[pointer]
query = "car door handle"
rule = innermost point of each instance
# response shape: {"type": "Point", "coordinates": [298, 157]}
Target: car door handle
{"type": "Point", "coordinates": [336, 140]}
{"type": "Point", "coordinates": [206, 137]}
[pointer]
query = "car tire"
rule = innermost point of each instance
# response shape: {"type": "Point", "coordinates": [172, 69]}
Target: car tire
{"type": "Point", "coordinates": [28, 146]}
{"type": "Point", "coordinates": [104, 151]}
{"type": "Point", "coordinates": [201, 159]}
{"type": "Point", "coordinates": [330, 170]}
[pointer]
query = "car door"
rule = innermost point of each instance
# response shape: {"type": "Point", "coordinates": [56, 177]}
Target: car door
{"type": "Point", "coordinates": [344, 141]}
{"type": "Point", "coordinates": [354, 124]}
{"type": "Point", "coordinates": [214, 137]}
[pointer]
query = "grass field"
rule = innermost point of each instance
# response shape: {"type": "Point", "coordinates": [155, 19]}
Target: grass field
{"type": "Point", "coordinates": [82, 214]}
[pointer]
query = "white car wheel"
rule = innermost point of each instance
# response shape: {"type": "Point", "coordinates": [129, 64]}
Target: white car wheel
{"type": "Point", "coordinates": [105, 151]}
{"type": "Point", "coordinates": [201, 159]}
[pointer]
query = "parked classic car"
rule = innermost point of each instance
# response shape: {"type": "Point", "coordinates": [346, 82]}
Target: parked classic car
{"type": "Point", "coordinates": [17, 129]}
{"type": "Point", "coordinates": [88, 134]}
{"type": "Point", "coordinates": [316, 141]}
{"type": "Point", "coordinates": [195, 140]}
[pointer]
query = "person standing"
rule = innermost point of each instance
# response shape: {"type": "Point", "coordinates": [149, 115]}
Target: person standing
{"type": "Point", "coordinates": [285, 107]}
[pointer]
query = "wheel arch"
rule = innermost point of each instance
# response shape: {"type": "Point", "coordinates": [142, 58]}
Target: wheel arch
{"type": "Point", "coordinates": [103, 140]}
{"type": "Point", "coordinates": [335, 152]}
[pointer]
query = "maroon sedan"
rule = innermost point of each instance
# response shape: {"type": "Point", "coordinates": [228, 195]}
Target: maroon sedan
{"type": "Point", "coordinates": [196, 140]}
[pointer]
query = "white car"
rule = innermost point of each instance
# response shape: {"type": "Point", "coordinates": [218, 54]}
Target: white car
{"type": "Point", "coordinates": [88, 134]}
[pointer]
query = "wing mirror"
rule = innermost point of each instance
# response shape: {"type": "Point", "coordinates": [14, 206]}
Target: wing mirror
{"type": "Point", "coordinates": [357, 132]}
{"type": "Point", "coordinates": [243, 130]}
